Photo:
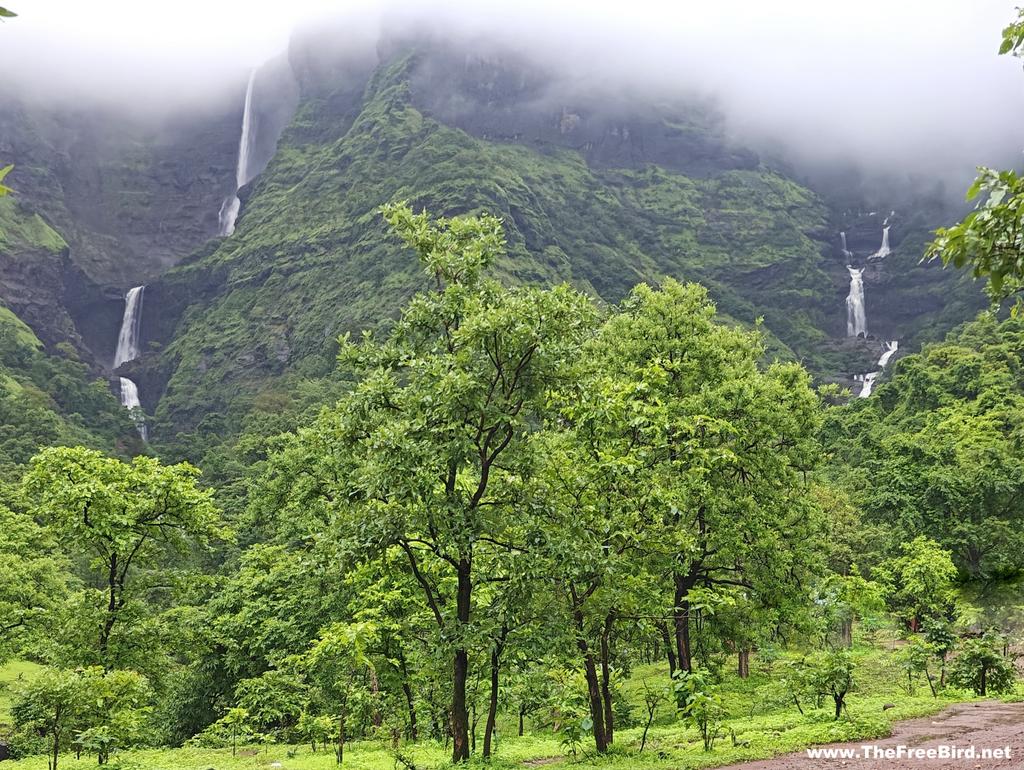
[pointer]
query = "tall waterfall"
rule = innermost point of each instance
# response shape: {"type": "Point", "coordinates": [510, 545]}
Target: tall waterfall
{"type": "Point", "coordinates": [883, 250]}
{"type": "Point", "coordinates": [869, 379]}
{"type": "Point", "coordinates": [229, 208]}
{"type": "Point", "coordinates": [128, 350]}
{"type": "Point", "coordinates": [856, 320]}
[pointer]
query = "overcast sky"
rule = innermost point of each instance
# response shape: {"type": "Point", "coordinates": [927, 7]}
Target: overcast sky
{"type": "Point", "coordinates": [913, 81]}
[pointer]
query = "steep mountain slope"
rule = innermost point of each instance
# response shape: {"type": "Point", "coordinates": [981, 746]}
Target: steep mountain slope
{"type": "Point", "coordinates": [310, 258]}
{"type": "Point", "coordinates": [599, 188]}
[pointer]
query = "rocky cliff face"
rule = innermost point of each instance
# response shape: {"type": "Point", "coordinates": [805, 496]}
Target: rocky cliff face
{"type": "Point", "coordinates": [127, 198]}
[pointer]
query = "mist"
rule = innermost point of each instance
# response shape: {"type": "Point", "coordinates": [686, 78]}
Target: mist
{"type": "Point", "coordinates": [909, 88]}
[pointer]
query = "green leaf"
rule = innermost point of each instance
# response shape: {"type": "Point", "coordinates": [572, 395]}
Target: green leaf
{"type": "Point", "coordinates": [6, 14]}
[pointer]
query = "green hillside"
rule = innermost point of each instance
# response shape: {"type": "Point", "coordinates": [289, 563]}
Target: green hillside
{"type": "Point", "coordinates": [310, 258]}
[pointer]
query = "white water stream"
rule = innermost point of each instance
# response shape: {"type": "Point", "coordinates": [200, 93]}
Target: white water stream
{"type": "Point", "coordinates": [229, 208]}
{"type": "Point", "coordinates": [128, 350]}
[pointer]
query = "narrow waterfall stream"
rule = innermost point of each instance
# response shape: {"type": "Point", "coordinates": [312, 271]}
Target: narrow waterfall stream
{"type": "Point", "coordinates": [846, 252]}
{"type": "Point", "coordinates": [883, 250]}
{"type": "Point", "coordinates": [128, 350]}
{"type": "Point", "coordinates": [856, 319]}
{"type": "Point", "coordinates": [231, 205]}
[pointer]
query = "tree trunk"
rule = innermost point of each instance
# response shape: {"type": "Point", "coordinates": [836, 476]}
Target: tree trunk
{"type": "Point", "coordinates": [492, 705]}
{"type": "Point", "coordinates": [846, 633]}
{"type": "Point", "coordinates": [410, 702]}
{"type": "Point", "coordinates": [984, 676]}
{"type": "Point", "coordinates": [108, 621]}
{"type": "Point", "coordinates": [460, 715]}
{"type": "Point", "coordinates": [376, 718]}
{"type": "Point", "coordinates": [681, 616]}
{"type": "Point", "coordinates": [594, 696]}
{"type": "Point", "coordinates": [590, 674]}
{"type": "Point", "coordinates": [743, 668]}
{"type": "Point", "coordinates": [341, 737]}
{"type": "Point", "coordinates": [522, 714]}
{"type": "Point", "coordinates": [606, 692]}
{"type": "Point", "coordinates": [666, 637]}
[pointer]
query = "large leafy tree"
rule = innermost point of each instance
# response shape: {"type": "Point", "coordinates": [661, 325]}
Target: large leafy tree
{"type": "Point", "coordinates": [428, 455]}
{"type": "Point", "coordinates": [33, 577]}
{"type": "Point", "coordinates": [726, 447]}
{"type": "Point", "coordinates": [676, 456]}
{"type": "Point", "coordinates": [127, 517]}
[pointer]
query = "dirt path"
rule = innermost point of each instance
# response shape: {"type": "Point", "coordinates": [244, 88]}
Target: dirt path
{"type": "Point", "coordinates": [983, 725]}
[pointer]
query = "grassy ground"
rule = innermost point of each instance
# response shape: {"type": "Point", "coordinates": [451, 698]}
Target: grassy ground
{"type": "Point", "coordinates": [761, 721]}
{"type": "Point", "coordinates": [9, 675]}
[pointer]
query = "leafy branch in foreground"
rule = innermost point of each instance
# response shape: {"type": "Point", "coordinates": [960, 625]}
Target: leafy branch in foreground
{"type": "Point", "coordinates": [989, 238]}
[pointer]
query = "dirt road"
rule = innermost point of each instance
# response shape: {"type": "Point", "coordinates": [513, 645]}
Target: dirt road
{"type": "Point", "coordinates": [989, 725]}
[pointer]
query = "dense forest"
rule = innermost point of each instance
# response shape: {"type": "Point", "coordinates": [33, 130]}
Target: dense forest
{"type": "Point", "coordinates": [560, 462]}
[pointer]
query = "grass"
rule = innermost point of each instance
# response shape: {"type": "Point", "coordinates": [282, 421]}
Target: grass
{"type": "Point", "coordinates": [764, 725]}
{"type": "Point", "coordinates": [9, 675]}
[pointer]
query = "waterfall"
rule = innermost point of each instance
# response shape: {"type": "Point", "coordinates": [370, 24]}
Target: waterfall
{"type": "Point", "coordinates": [128, 350]}
{"type": "Point", "coordinates": [869, 379]}
{"type": "Point", "coordinates": [229, 208]}
{"type": "Point", "coordinates": [846, 251]}
{"type": "Point", "coordinates": [883, 250]}
{"type": "Point", "coordinates": [887, 353]}
{"type": "Point", "coordinates": [856, 320]}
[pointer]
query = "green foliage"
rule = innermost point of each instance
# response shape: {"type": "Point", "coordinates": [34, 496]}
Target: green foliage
{"type": "Point", "coordinates": [920, 582]}
{"type": "Point", "coordinates": [832, 676]}
{"type": "Point", "coordinates": [989, 239]}
{"type": "Point", "coordinates": [935, 454]}
{"type": "Point", "coordinates": [33, 579]}
{"type": "Point", "coordinates": [125, 517]}
{"type": "Point", "coordinates": [981, 665]}
{"type": "Point", "coordinates": [700, 705]}
{"type": "Point", "coordinates": [95, 710]}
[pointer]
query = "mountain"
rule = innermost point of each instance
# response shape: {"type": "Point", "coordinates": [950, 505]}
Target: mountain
{"type": "Point", "coordinates": [603, 189]}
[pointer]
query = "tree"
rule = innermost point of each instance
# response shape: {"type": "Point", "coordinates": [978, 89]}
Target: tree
{"type": "Point", "coordinates": [125, 515]}
{"type": "Point", "coordinates": [428, 454]}
{"type": "Point", "coordinates": [335, 663]}
{"type": "Point", "coordinates": [724, 449]}
{"type": "Point", "coordinates": [700, 705]}
{"type": "Point", "coordinates": [936, 454]}
{"type": "Point", "coordinates": [52, 705]}
{"type": "Point", "coordinates": [99, 710]}
{"type": "Point", "coordinates": [833, 676]}
{"type": "Point", "coordinates": [980, 666]}
{"type": "Point", "coordinates": [33, 577]}
{"type": "Point", "coordinates": [920, 582]}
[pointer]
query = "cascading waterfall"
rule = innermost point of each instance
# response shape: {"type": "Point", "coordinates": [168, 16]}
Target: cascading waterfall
{"type": "Point", "coordinates": [229, 208]}
{"type": "Point", "coordinates": [869, 379]}
{"type": "Point", "coordinates": [883, 250]}
{"type": "Point", "coordinates": [856, 320]}
{"type": "Point", "coordinates": [128, 350]}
